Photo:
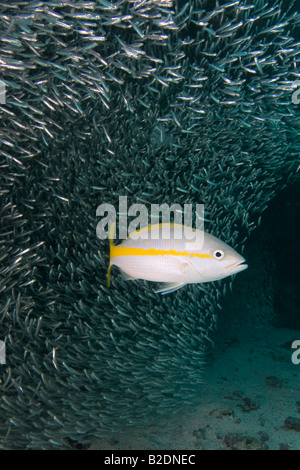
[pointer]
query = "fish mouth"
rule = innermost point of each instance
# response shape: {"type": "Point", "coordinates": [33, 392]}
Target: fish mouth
{"type": "Point", "coordinates": [237, 267]}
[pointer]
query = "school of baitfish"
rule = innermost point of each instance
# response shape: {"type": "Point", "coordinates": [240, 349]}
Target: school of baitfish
{"type": "Point", "coordinates": [162, 101]}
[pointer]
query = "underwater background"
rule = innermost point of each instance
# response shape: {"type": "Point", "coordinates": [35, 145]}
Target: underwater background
{"type": "Point", "coordinates": [160, 101]}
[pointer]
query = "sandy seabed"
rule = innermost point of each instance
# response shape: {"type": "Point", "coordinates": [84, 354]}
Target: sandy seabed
{"type": "Point", "coordinates": [249, 399]}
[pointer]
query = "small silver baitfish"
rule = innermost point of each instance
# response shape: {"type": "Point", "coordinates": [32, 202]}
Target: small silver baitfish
{"type": "Point", "coordinates": [174, 262]}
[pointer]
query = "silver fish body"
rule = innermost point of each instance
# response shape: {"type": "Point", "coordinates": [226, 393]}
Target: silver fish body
{"type": "Point", "coordinates": [175, 261]}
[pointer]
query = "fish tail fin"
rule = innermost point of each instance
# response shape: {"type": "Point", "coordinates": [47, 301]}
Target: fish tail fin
{"type": "Point", "coordinates": [111, 233]}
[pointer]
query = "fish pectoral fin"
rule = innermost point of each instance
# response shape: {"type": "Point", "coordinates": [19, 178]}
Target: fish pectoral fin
{"type": "Point", "coordinates": [168, 287]}
{"type": "Point", "coordinates": [199, 273]}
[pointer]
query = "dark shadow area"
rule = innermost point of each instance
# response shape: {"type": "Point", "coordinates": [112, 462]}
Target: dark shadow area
{"type": "Point", "coordinates": [283, 223]}
{"type": "Point", "coordinates": [268, 292]}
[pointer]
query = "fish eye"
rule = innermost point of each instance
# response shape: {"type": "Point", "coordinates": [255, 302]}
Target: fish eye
{"type": "Point", "coordinates": [219, 254]}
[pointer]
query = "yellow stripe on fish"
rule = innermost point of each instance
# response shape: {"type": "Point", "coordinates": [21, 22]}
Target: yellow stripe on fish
{"type": "Point", "coordinates": [130, 251]}
{"type": "Point", "coordinates": [173, 262]}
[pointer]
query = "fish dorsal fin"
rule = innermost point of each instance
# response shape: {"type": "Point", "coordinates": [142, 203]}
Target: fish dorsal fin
{"type": "Point", "coordinates": [168, 287]}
